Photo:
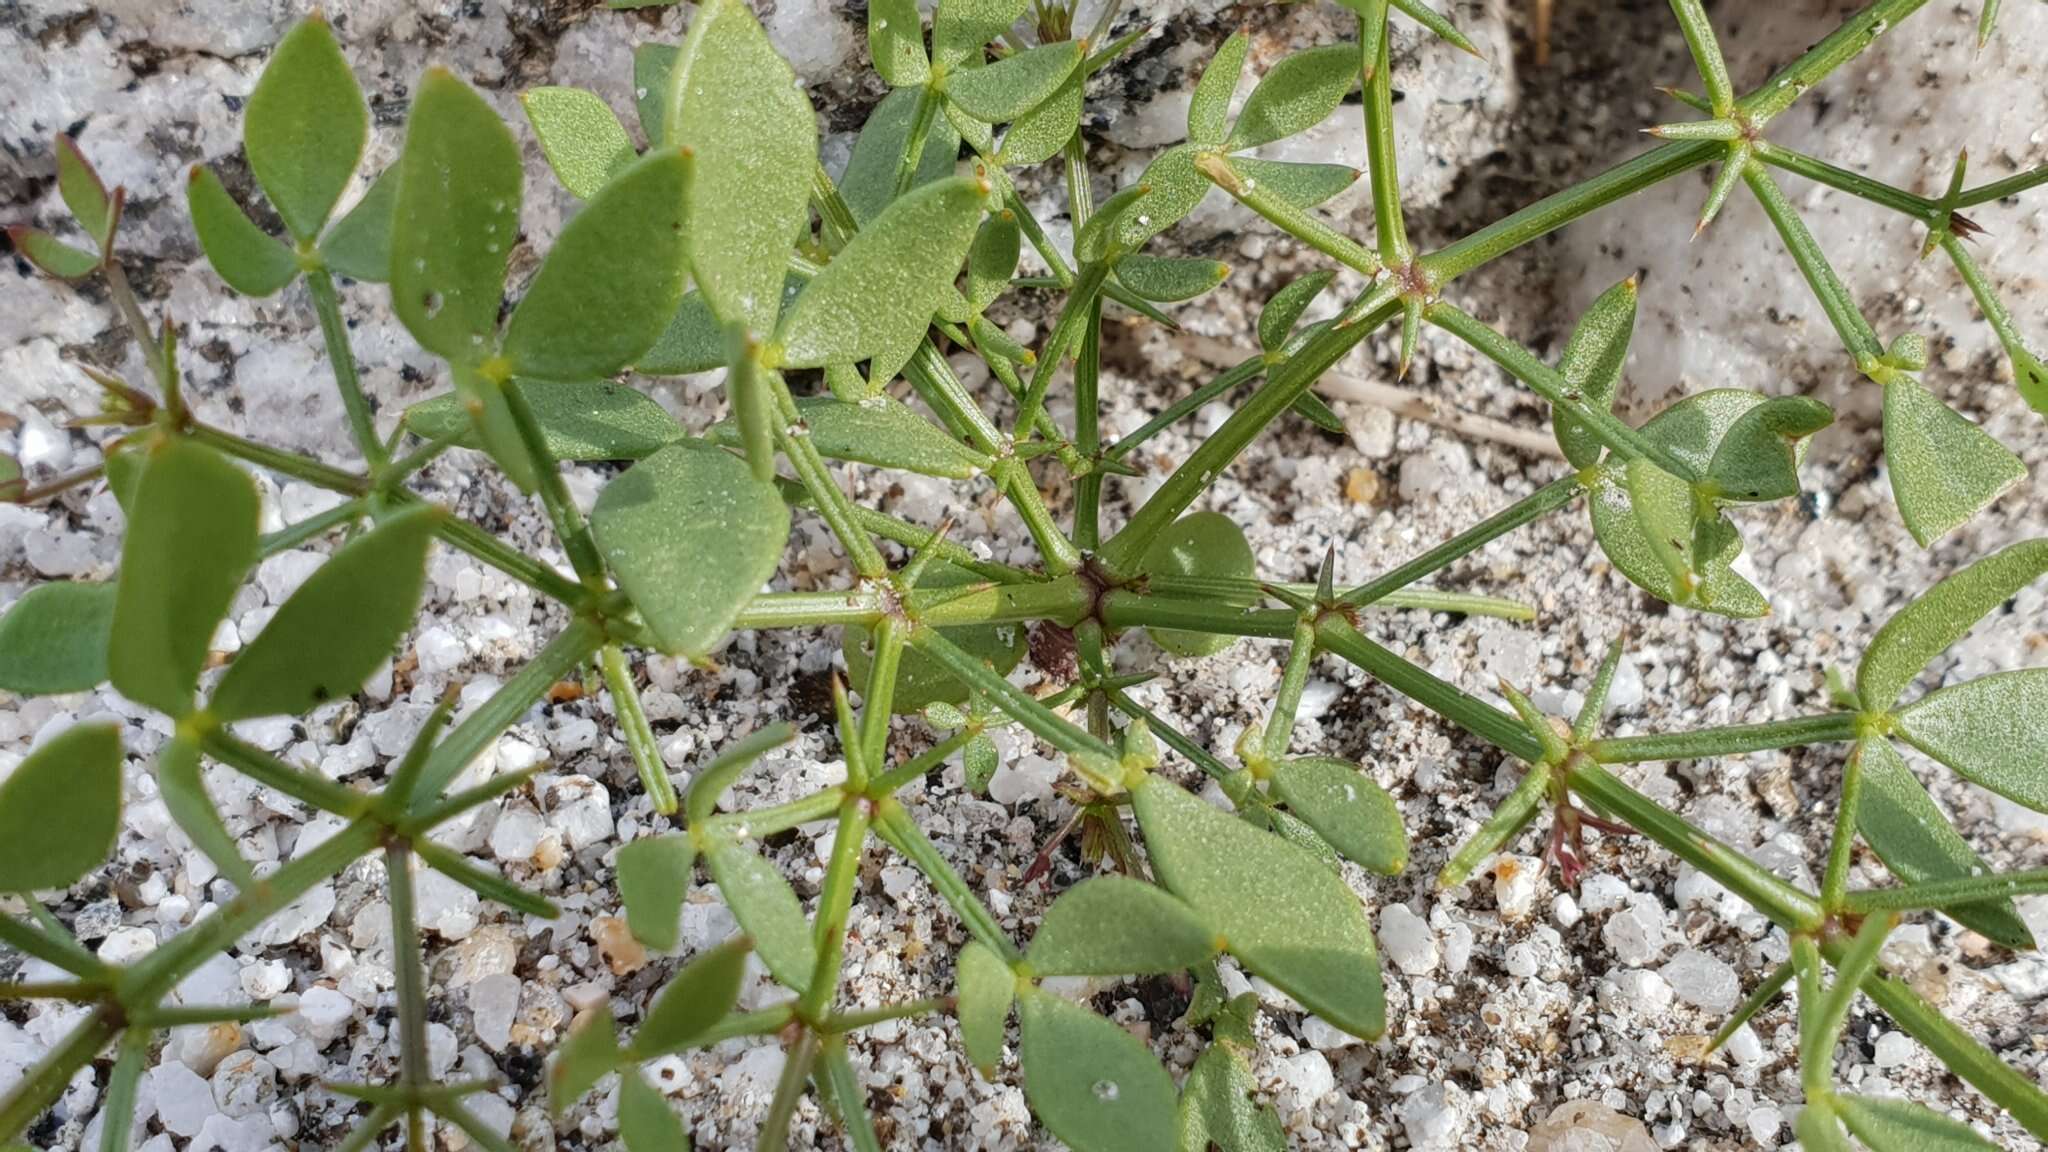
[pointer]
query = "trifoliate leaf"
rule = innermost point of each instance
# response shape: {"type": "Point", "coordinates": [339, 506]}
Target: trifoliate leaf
{"type": "Point", "coordinates": [60, 809]}
{"type": "Point", "coordinates": [1092, 1084]}
{"type": "Point", "coordinates": [1280, 911]}
{"type": "Point", "coordinates": [985, 986]}
{"type": "Point", "coordinates": [455, 220]}
{"type": "Point", "coordinates": [1117, 926]}
{"type": "Point", "coordinates": [736, 104]}
{"type": "Point", "coordinates": [252, 261]}
{"type": "Point", "coordinates": [337, 628]}
{"type": "Point", "coordinates": [612, 281]}
{"type": "Point", "coordinates": [191, 540]}
{"type": "Point", "coordinates": [1039, 134]}
{"type": "Point", "coordinates": [84, 194]}
{"type": "Point", "coordinates": [691, 536]}
{"type": "Point", "coordinates": [580, 135]}
{"type": "Point", "coordinates": [1198, 544]}
{"type": "Point", "coordinates": [654, 876]}
{"type": "Point", "coordinates": [646, 1122]}
{"type": "Point", "coordinates": [1939, 617]}
{"type": "Point", "coordinates": [1944, 468]}
{"type": "Point", "coordinates": [767, 908]}
{"type": "Point", "coordinates": [55, 638]}
{"type": "Point", "coordinates": [589, 420]}
{"type": "Point", "coordinates": [305, 127]}
{"type": "Point", "coordinates": [1347, 808]}
{"type": "Point", "coordinates": [1918, 844]}
{"type": "Point", "coordinates": [1295, 95]}
{"type": "Point", "coordinates": [883, 287]}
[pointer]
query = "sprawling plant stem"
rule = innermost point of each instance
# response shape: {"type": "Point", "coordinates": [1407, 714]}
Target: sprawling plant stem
{"type": "Point", "coordinates": [334, 334]}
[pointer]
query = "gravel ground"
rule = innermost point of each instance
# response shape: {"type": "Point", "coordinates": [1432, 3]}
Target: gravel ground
{"type": "Point", "coordinates": [1509, 998]}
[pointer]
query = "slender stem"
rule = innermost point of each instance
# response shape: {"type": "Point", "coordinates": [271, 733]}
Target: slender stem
{"type": "Point", "coordinates": [1066, 330]}
{"type": "Point", "coordinates": [777, 818]}
{"type": "Point", "coordinates": [1388, 225]}
{"type": "Point", "coordinates": [1706, 53]}
{"type": "Point", "coordinates": [832, 208]}
{"type": "Point", "coordinates": [409, 972]}
{"type": "Point", "coordinates": [1087, 429]}
{"type": "Point", "coordinates": [1959, 1052]}
{"type": "Point", "coordinates": [1980, 289]}
{"type": "Point", "coordinates": [1447, 700]}
{"type": "Point", "coordinates": [817, 479]}
{"type": "Point", "coordinates": [1550, 384]}
{"type": "Point", "coordinates": [567, 519]}
{"type": "Point", "coordinates": [152, 347]}
{"type": "Point", "coordinates": [618, 677]}
{"type": "Point", "coordinates": [847, 1094]}
{"type": "Point", "coordinates": [796, 1072]}
{"type": "Point", "coordinates": [277, 460]}
{"type": "Point", "coordinates": [1790, 908]}
{"type": "Point", "coordinates": [2000, 189]}
{"type": "Point", "coordinates": [1772, 985]}
{"type": "Point", "coordinates": [1035, 716]}
{"type": "Point", "coordinates": [835, 904]}
{"type": "Point", "coordinates": [895, 825]}
{"type": "Point", "coordinates": [334, 333]}
{"type": "Point", "coordinates": [877, 698]}
{"type": "Point", "coordinates": [842, 1022]}
{"type": "Point", "coordinates": [1120, 608]}
{"type": "Point", "coordinates": [1842, 847]}
{"type": "Point", "coordinates": [1838, 48]}
{"type": "Point", "coordinates": [1828, 288]}
{"type": "Point", "coordinates": [55, 950]}
{"type": "Point", "coordinates": [1224, 382]}
{"type": "Point", "coordinates": [1289, 217]}
{"type": "Point", "coordinates": [309, 788]}
{"type": "Point", "coordinates": [318, 524]}
{"type": "Point", "coordinates": [466, 537]}
{"type": "Point", "coordinates": [1293, 678]}
{"type": "Point", "coordinates": [467, 740]}
{"type": "Point", "coordinates": [912, 156]}
{"type": "Point", "coordinates": [1206, 462]}
{"type": "Point", "coordinates": [1532, 507]}
{"type": "Point", "coordinates": [1854, 183]}
{"type": "Point", "coordinates": [119, 1109]}
{"type": "Point", "coordinates": [892, 781]}
{"type": "Point", "coordinates": [1034, 232]}
{"type": "Point", "coordinates": [1500, 829]}
{"type": "Point", "coordinates": [1733, 740]}
{"type": "Point", "coordinates": [1947, 893]}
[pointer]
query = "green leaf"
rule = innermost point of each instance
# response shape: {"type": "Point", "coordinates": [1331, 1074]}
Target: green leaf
{"type": "Point", "coordinates": [985, 988]}
{"type": "Point", "coordinates": [591, 1051]}
{"type": "Point", "coordinates": [305, 127]}
{"type": "Point", "coordinates": [1302, 185]}
{"type": "Point", "coordinates": [1295, 95]}
{"type": "Point", "coordinates": [359, 244]}
{"type": "Point", "coordinates": [1942, 615]}
{"type": "Point", "coordinates": [978, 761]}
{"type": "Point", "coordinates": [882, 288]}
{"type": "Point", "coordinates": [1209, 106]}
{"type": "Point", "coordinates": [1993, 731]}
{"type": "Point", "coordinates": [1943, 468]}
{"type": "Point", "coordinates": [1092, 1084]}
{"type": "Point", "coordinates": [1758, 459]}
{"type": "Point", "coordinates": [1893, 1125]}
{"type": "Point", "coordinates": [691, 537]}
{"type": "Point", "coordinates": [1347, 808]}
{"type": "Point", "coordinates": [961, 27]}
{"type": "Point", "coordinates": [870, 181]}
{"type": "Point", "coordinates": [1198, 544]}
{"type": "Point", "coordinates": [1918, 844]}
{"type": "Point", "coordinates": [338, 627]}
{"type": "Point", "coordinates": [183, 790]}
{"type": "Point", "coordinates": [1287, 305]}
{"type": "Point", "coordinates": [921, 680]}
{"type": "Point", "coordinates": [589, 420]}
{"type": "Point", "coordinates": [699, 996]}
{"type": "Point", "coordinates": [580, 135]}
{"type": "Point", "coordinates": [1591, 366]}
{"type": "Point", "coordinates": [879, 431]}
{"type": "Point", "coordinates": [767, 908]}
{"type": "Point", "coordinates": [1040, 134]}
{"type": "Point", "coordinates": [1219, 1107]}
{"type": "Point", "coordinates": [84, 194]}
{"type": "Point", "coordinates": [51, 255]}
{"type": "Point", "coordinates": [455, 220]}
{"type": "Point", "coordinates": [693, 342]}
{"type": "Point", "coordinates": [60, 809]}
{"type": "Point", "coordinates": [1168, 279]}
{"type": "Point", "coordinates": [654, 876]}
{"type": "Point", "coordinates": [1117, 926]}
{"type": "Point", "coordinates": [54, 639]}
{"type": "Point", "coordinates": [1173, 186]}
{"type": "Point", "coordinates": [726, 767]}
{"type": "Point", "coordinates": [1279, 910]}
{"type": "Point", "coordinates": [1008, 88]}
{"type": "Point", "coordinates": [740, 108]}
{"type": "Point", "coordinates": [497, 430]}
{"type": "Point", "coordinates": [652, 63]}
{"type": "Point", "coordinates": [896, 42]}
{"type": "Point", "coordinates": [646, 1122]}
{"type": "Point", "coordinates": [252, 261]}
{"type": "Point", "coordinates": [992, 260]}
{"type": "Point", "coordinates": [612, 281]}
{"type": "Point", "coordinates": [191, 539]}
{"type": "Point", "coordinates": [1645, 520]}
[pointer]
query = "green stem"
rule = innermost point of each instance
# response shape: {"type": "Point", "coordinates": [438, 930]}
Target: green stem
{"type": "Point", "coordinates": [1506, 823]}
{"type": "Point", "coordinates": [1854, 183]}
{"type": "Point", "coordinates": [1066, 330]}
{"type": "Point", "coordinates": [912, 155]}
{"type": "Point", "coordinates": [1224, 382]}
{"type": "Point", "coordinates": [119, 1109]}
{"type": "Point", "coordinates": [334, 333]}
{"type": "Point", "coordinates": [1706, 54]}
{"type": "Point", "coordinates": [847, 1094]}
{"type": "Point", "coordinates": [318, 524]}
{"type": "Point", "coordinates": [843, 1022]}
{"type": "Point", "coordinates": [1960, 1053]}
{"type": "Point", "coordinates": [567, 519]}
{"type": "Point", "coordinates": [1980, 289]}
{"type": "Point", "coordinates": [1947, 893]}
{"type": "Point", "coordinates": [1772, 985]}
{"type": "Point", "coordinates": [796, 1072]}
{"type": "Point", "coordinates": [1293, 678]}
{"type": "Point", "coordinates": [1289, 217]}
{"type": "Point", "coordinates": [1842, 846]}
{"type": "Point", "coordinates": [832, 208]}
{"type": "Point", "coordinates": [1733, 740]}
{"type": "Point", "coordinates": [1388, 225]}
{"type": "Point", "coordinates": [40, 1086]}
{"type": "Point", "coordinates": [618, 677]}
{"type": "Point", "coordinates": [2000, 189]}
{"type": "Point", "coordinates": [160, 366]}
{"type": "Point", "coordinates": [467, 740]}
{"type": "Point", "coordinates": [1532, 507]}
{"type": "Point", "coordinates": [279, 461]}
{"type": "Point", "coordinates": [1087, 429]}
{"type": "Point", "coordinates": [309, 788]}
{"type": "Point", "coordinates": [1447, 700]}
{"type": "Point", "coordinates": [756, 823]}
{"type": "Point", "coordinates": [409, 972]}
{"type": "Point", "coordinates": [817, 479]}
{"type": "Point", "coordinates": [835, 904]}
{"type": "Point", "coordinates": [1828, 288]}
{"type": "Point", "coordinates": [1550, 384]}
{"type": "Point", "coordinates": [1013, 701]}
{"type": "Point", "coordinates": [892, 781]}
{"type": "Point", "coordinates": [466, 537]}
{"type": "Point", "coordinates": [1839, 47]}
{"type": "Point", "coordinates": [895, 825]}
{"type": "Point", "coordinates": [1787, 906]}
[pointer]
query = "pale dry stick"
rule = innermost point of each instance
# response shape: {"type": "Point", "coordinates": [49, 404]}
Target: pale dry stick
{"type": "Point", "coordinates": [1407, 403]}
